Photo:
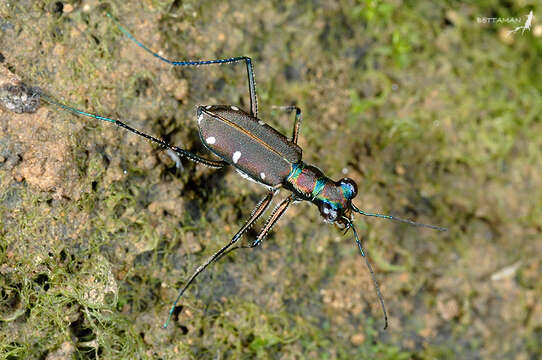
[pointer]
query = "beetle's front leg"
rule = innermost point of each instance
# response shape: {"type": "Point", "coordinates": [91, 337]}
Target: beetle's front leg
{"type": "Point", "coordinates": [275, 216]}
{"type": "Point", "coordinates": [256, 213]}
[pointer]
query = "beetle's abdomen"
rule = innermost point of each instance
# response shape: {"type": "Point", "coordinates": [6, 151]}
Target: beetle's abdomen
{"type": "Point", "coordinates": [248, 144]}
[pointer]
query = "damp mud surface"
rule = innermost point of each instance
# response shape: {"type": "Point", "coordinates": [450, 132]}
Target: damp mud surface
{"type": "Point", "coordinates": [432, 110]}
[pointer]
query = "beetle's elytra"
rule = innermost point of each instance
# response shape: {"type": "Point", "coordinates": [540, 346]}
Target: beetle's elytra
{"type": "Point", "coordinates": [261, 154]}
{"type": "Point", "coordinates": [247, 143]}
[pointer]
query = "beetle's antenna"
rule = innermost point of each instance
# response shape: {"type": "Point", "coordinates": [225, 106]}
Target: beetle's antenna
{"type": "Point", "coordinates": [373, 277]}
{"type": "Point", "coordinates": [406, 221]}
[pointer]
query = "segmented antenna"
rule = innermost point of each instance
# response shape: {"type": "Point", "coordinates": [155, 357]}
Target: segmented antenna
{"type": "Point", "coordinates": [406, 221]}
{"type": "Point", "coordinates": [373, 277]}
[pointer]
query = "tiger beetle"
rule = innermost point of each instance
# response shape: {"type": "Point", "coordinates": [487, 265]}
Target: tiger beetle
{"type": "Point", "coordinates": [261, 154]}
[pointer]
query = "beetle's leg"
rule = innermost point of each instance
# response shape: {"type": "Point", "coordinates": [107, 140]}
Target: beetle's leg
{"type": "Point", "coordinates": [277, 213]}
{"type": "Point", "coordinates": [275, 216]}
{"type": "Point", "coordinates": [183, 153]}
{"type": "Point", "coordinates": [297, 123]}
{"type": "Point", "coordinates": [246, 59]}
{"type": "Point", "coordinates": [256, 213]}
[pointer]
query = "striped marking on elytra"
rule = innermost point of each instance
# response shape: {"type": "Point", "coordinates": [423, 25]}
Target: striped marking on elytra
{"type": "Point", "coordinates": [200, 117]}
{"type": "Point", "coordinates": [208, 107]}
{"type": "Point", "coordinates": [247, 133]}
{"type": "Point", "coordinates": [211, 140]}
{"type": "Point", "coordinates": [236, 156]}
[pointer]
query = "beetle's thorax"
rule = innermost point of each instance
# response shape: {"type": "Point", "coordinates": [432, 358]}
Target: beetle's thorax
{"type": "Point", "coordinates": [333, 198]}
{"type": "Point", "coordinates": [306, 181]}
{"type": "Point", "coordinates": [309, 183]}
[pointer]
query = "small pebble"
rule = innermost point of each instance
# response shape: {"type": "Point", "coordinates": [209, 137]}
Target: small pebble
{"type": "Point", "coordinates": [357, 339]}
{"type": "Point", "coordinates": [68, 8]}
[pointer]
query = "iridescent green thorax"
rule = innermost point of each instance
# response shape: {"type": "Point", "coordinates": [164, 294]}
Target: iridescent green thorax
{"type": "Point", "coordinates": [310, 184]}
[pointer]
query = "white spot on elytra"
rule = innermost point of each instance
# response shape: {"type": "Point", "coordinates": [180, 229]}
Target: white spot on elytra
{"type": "Point", "coordinates": [262, 175]}
{"type": "Point", "coordinates": [234, 108]}
{"type": "Point", "coordinates": [236, 156]}
{"type": "Point", "coordinates": [208, 107]}
{"type": "Point", "coordinates": [200, 117]}
{"type": "Point", "coordinates": [261, 122]}
{"type": "Point", "coordinates": [245, 176]}
{"type": "Point", "coordinates": [210, 140]}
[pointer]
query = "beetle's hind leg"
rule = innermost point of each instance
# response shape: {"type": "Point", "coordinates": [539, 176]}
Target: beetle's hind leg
{"type": "Point", "coordinates": [297, 122]}
{"type": "Point", "coordinates": [246, 59]}
{"type": "Point", "coordinates": [181, 152]}
{"type": "Point", "coordinates": [256, 213]}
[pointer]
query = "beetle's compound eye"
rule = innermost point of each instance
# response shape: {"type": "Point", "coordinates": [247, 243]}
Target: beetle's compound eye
{"type": "Point", "coordinates": [328, 212]}
{"type": "Point", "coordinates": [349, 187]}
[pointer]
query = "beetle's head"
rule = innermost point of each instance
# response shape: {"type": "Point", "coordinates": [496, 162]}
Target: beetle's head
{"type": "Point", "coordinates": [335, 201]}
